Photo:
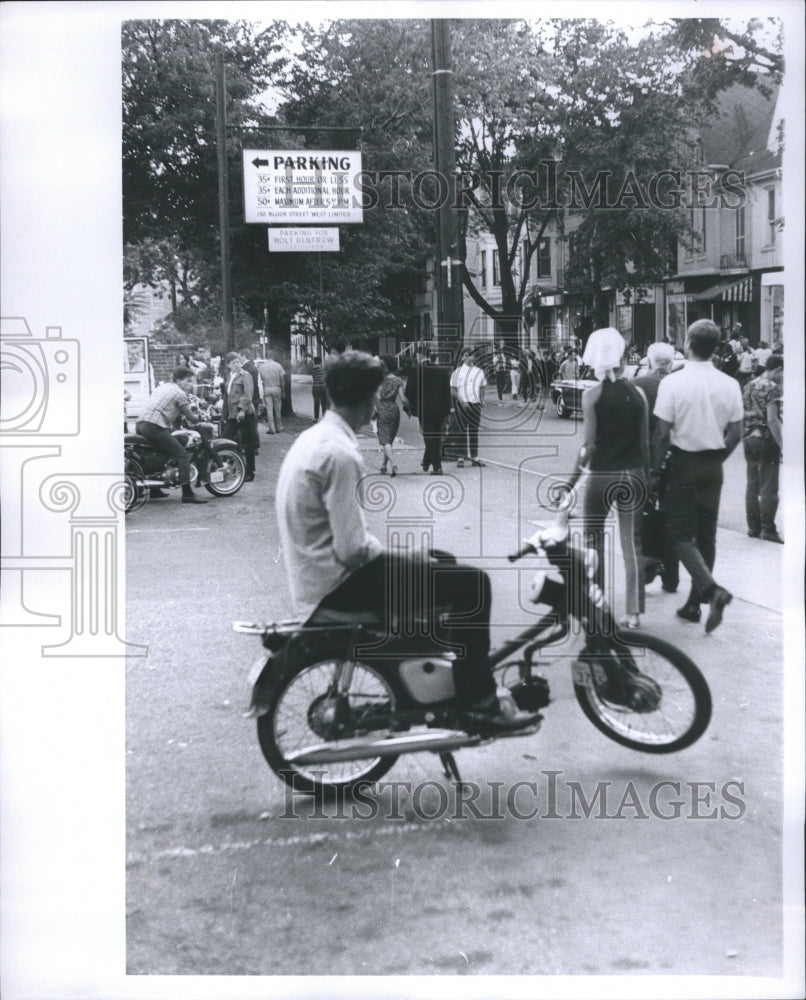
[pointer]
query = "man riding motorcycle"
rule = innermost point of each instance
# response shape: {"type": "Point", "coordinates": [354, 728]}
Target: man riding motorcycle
{"type": "Point", "coordinates": [166, 404]}
{"type": "Point", "coordinates": [335, 565]}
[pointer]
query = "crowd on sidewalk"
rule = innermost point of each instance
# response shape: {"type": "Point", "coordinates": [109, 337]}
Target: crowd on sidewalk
{"type": "Point", "coordinates": [652, 448]}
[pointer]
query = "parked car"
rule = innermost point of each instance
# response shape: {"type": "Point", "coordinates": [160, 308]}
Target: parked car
{"type": "Point", "coordinates": [566, 393]}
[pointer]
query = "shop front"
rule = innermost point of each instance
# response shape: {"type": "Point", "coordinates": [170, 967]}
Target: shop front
{"type": "Point", "coordinates": [636, 318]}
{"type": "Point", "coordinates": [727, 302]}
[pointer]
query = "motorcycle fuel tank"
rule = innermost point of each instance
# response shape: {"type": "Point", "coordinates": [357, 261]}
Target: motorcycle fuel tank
{"type": "Point", "coordinates": [428, 679]}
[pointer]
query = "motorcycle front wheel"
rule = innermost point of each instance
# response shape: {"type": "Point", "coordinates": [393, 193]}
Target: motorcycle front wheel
{"type": "Point", "coordinates": [134, 493]}
{"type": "Point", "coordinates": [229, 477]}
{"type": "Point", "coordinates": [668, 703]}
{"type": "Point", "coordinates": [306, 712]}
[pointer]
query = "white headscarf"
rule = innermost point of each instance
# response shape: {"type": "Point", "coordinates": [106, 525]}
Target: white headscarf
{"type": "Point", "coordinates": [604, 352]}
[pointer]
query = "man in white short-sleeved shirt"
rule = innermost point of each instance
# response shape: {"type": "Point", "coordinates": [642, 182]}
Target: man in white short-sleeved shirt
{"type": "Point", "coordinates": [698, 422]}
{"type": "Point", "coordinates": [467, 389]}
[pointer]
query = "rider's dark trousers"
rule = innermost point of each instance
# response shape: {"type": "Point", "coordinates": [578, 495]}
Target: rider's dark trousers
{"type": "Point", "coordinates": [436, 602]}
{"type": "Point", "coordinates": [165, 442]}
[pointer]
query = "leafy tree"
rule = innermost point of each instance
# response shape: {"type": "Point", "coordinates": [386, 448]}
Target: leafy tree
{"type": "Point", "coordinates": [373, 77]}
{"type": "Point", "coordinates": [628, 108]}
{"type": "Point", "coordinates": [170, 171]}
{"type": "Point", "coordinates": [504, 126]}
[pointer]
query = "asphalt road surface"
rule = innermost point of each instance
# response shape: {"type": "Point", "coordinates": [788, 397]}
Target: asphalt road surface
{"type": "Point", "coordinates": [229, 874]}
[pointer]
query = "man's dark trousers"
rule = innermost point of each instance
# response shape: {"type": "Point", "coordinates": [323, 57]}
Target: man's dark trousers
{"type": "Point", "coordinates": [761, 497]}
{"type": "Point", "coordinates": [431, 429]}
{"type": "Point", "coordinates": [468, 417]}
{"type": "Point", "coordinates": [692, 507]}
{"type": "Point", "coordinates": [164, 441]}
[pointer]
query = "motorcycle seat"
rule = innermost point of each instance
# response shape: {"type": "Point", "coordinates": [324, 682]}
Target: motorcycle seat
{"type": "Point", "coordinates": [137, 439]}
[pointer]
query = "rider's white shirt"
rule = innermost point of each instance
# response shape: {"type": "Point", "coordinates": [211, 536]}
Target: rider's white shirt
{"type": "Point", "coordinates": [322, 527]}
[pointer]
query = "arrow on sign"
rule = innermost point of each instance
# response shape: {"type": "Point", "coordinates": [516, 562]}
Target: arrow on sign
{"type": "Point", "coordinates": [257, 162]}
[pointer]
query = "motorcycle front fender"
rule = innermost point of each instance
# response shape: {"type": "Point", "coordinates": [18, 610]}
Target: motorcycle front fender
{"type": "Point", "coordinates": [224, 443]}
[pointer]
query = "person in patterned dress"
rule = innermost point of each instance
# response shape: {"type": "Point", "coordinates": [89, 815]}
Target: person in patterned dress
{"type": "Point", "coordinates": [390, 397]}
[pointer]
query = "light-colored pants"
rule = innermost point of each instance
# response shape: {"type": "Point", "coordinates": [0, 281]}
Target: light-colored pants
{"type": "Point", "coordinates": [274, 404]}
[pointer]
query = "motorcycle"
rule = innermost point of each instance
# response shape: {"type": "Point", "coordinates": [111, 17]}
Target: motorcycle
{"type": "Point", "coordinates": [337, 702]}
{"type": "Point", "coordinates": [217, 462]}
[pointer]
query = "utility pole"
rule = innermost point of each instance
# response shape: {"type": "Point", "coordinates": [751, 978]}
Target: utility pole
{"type": "Point", "coordinates": [223, 200]}
{"type": "Point", "coordinates": [447, 274]}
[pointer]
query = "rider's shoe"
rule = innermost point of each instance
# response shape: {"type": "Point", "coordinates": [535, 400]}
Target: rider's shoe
{"type": "Point", "coordinates": [499, 713]}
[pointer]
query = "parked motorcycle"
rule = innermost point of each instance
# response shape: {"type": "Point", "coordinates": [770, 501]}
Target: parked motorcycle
{"type": "Point", "coordinates": [217, 462]}
{"type": "Point", "coordinates": [337, 702]}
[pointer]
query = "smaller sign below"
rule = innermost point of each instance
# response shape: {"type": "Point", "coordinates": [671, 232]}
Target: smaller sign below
{"type": "Point", "coordinates": [306, 238]}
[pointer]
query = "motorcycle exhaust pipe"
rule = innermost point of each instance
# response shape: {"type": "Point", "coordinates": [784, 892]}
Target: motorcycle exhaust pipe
{"type": "Point", "coordinates": [442, 740]}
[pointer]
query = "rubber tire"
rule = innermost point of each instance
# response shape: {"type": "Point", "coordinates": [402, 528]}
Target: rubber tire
{"type": "Point", "coordinates": [562, 410]}
{"type": "Point", "coordinates": [287, 772]}
{"type": "Point", "coordinates": [689, 671]}
{"type": "Point", "coordinates": [132, 473]}
{"type": "Point", "coordinates": [236, 457]}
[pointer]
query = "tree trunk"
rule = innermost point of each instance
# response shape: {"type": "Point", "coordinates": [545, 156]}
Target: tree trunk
{"type": "Point", "coordinates": [280, 345]}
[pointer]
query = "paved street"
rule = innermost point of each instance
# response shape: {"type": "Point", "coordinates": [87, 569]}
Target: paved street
{"type": "Point", "coordinates": [226, 875]}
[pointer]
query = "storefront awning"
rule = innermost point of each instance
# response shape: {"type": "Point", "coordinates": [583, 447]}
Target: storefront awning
{"type": "Point", "coordinates": [727, 291]}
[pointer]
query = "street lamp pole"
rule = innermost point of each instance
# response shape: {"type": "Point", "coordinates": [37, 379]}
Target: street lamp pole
{"type": "Point", "coordinates": [223, 201]}
{"type": "Point", "coordinates": [447, 273]}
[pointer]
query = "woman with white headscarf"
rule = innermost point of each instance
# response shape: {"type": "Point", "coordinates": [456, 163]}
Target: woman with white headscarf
{"type": "Point", "coordinates": [615, 451]}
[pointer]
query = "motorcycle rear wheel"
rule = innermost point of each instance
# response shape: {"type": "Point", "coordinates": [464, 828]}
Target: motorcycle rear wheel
{"type": "Point", "coordinates": [684, 710]}
{"type": "Point", "coordinates": [287, 727]}
{"type": "Point", "coordinates": [234, 470]}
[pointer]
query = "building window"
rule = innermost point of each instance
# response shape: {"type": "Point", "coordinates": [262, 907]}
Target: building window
{"type": "Point", "coordinates": [771, 215]}
{"type": "Point", "coordinates": [740, 233]}
{"type": "Point", "coordinates": [483, 268]}
{"type": "Point", "coordinates": [544, 259]}
{"type": "Point", "coordinates": [696, 218]}
{"type": "Point", "coordinates": [496, 269]}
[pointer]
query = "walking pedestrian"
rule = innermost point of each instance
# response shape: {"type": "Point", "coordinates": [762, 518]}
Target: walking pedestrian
{"type": "Point", "coordinates": [500, 370]}
{"type": "Point", "coordinates": [317, 373]}
{"type": "Point", "coordinates": [763, 447]}
{"type": "Point", "coordinates": [763, 351]}
{"type": "Point", "coordinates": [736, 339]}
{"type": "Point", "coordinates": [467, 389]}
{"type": "Point", "coordinates": [238, 411]}
{"type": "Point", "coordinates": [660, 358]}
{"type": "Point", "coordinates": [530, 376]}
{"type": "Point", "coordinates": [428, 397]}
{"type": "Point", "coordinates": [257, 386]}
{"type": "Point", "coordinates": [390, 398]}
{"type": "Point", "coordinates": [747, 362]}
{"type": "Point", "coordinates": [615, 450]}
{"type": "Point", "coordinates": [272, 375]}
{"type": "Point", "coordinates": [699, 423]}
{"type": "Point", "coordinates": [569, 369]}
{"type": "Point", "coordinates": [514, 377]}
